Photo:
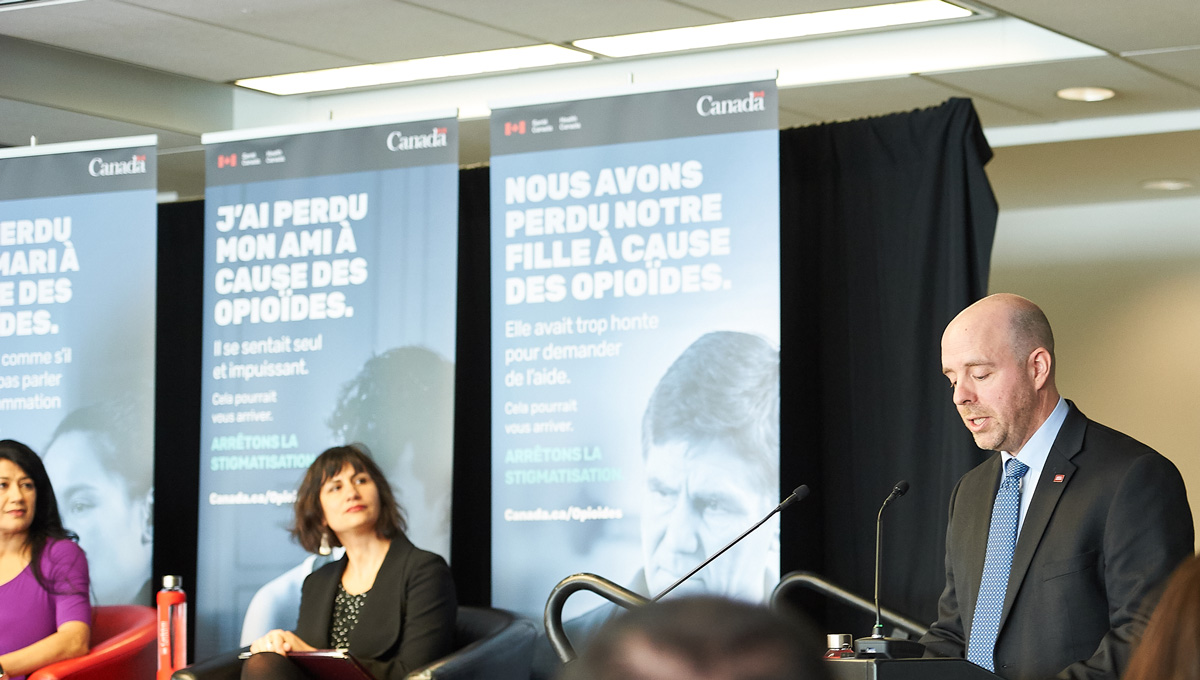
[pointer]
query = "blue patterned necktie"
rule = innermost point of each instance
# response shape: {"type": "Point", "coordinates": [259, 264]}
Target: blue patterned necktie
{"type": "Point", "coordinates": [1002, 542]}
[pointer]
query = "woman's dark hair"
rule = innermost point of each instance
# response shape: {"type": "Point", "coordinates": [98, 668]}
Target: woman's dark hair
{"type": "Point", "coordinates": [310, 518]}
{"type": "Point", "coordinates": [1168, 645]}
{"type": "Point", "coordinates": [47, 523]}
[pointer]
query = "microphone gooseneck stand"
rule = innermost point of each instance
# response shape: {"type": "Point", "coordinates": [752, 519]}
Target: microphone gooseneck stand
{"type": "Point", "coordinates": [878, 646]}
{"type": "Point", "coordinates": [798, 494]}
{"type": "Point", "coordinates": [623, 596]}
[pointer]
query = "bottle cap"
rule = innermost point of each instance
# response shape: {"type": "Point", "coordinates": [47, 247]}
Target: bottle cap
{"type": "Point", "coordinates": [172, 581]}
{"type": "Point", "coordinates": [838, 640]}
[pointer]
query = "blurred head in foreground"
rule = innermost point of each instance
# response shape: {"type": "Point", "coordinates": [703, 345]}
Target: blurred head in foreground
{"type": "Point", "coordinates": [701, 638]}
{"type": "Point", "coordinates": [1168, 647]}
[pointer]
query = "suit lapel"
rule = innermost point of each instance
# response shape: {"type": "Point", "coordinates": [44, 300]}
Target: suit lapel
{"type": "Point", "coordinates": [1045, 499]}
{"type": "Point", "coordinates": [382, 615]}
{"type": "Point", "coordinates": [323, 589]}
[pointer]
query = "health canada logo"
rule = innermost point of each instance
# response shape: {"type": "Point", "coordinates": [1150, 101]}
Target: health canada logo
{"type": "Point", "coordinates": [397, 141]}
{"type": "Point", "coordinates": [511, 128]}
{"type": "Point", "coordinates": [136, 165]}
{"type": "Point", "coordinates": [708, 106]}
{"type": "Point", "coordinates": [226, 160]}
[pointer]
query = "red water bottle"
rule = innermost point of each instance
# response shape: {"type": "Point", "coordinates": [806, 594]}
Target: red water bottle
{"type": "Point", "coordinates": [839, 646]}
{"type": "Point", "coordinates": [172, 627]}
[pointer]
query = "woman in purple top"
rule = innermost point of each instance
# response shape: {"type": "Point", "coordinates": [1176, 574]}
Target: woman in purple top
{"type": "Point", "coordinates": [45, 615]}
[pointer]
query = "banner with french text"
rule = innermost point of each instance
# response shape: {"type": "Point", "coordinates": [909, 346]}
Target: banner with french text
{"type": "Point", "coordinates": [330, 289]}
{"type": "Point", "coordinates": [78, 248]}
{"type": "Point", "coordinates": [635, 344]}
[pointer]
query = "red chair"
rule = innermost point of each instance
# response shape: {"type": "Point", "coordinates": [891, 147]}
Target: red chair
{"type": "Point", "coordinates": [122, 648]}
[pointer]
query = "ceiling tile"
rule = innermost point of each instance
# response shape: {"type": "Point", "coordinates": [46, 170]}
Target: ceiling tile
{"type": "Point", "coordinates": [1114, 25]}
{"type": "Point", "coordinates": [561, 21]}
{"type": "Point", "coordinates": [366, 30]}
{"type": "Point", "coordinates": [52, 126]}
{"type": "Point", "coordinates": [1182, 65]}
{"type": "Point", "coordinates": [847, 101]}
{"type": "Point", "coordinates": [161, 41]}
{"type": "Point", "coordinates": [1031, 87]}
{"type": "Point", "coordinates": [755, 9]}
{"type": "Point", "coordinates": [999, 114]}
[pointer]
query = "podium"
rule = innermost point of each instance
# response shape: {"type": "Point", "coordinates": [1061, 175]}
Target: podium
{"type": "Point", "coordinates": [906, 669]}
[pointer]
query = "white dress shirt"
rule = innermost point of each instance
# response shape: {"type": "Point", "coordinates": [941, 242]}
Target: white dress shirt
{"type": "Point", "coordinates": [1034, 455]}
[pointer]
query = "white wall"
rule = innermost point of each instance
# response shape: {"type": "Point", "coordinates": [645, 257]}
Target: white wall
{"type": "Point", "coordinates": [1120, 283]}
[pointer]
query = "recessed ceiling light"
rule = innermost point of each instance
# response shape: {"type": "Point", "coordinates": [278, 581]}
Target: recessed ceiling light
{"type": "Point", "coordinates": [773, 28]}
{"type": "Point", "coordinates": [1085, 94]}
{"type": "Point", "coordinates": [368, 75]}
{"type": "Point", "coordinates": [1167, 184]}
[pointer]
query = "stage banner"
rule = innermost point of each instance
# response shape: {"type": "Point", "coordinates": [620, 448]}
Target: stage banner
{"type": "Point", "coordinates": [635, 343]}
{"type": "Point", "coordinates": [78, 250]}
{"type": "Point", "coordinates": [330, 289]}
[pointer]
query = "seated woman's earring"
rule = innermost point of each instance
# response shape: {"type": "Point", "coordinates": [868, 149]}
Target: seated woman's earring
{"type": "Point", "coordinates": [324, 548]}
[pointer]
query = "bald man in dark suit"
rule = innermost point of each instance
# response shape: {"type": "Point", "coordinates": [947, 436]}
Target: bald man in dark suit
{"type": "Point", "coordinates": [1103, 519]}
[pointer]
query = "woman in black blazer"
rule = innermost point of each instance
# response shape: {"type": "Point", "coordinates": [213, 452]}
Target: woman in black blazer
{"type": "Point", "coordinates": [390, 603]}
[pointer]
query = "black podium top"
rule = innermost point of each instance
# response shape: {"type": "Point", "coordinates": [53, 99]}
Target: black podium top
{"type": "Point", "coordinates": [906, 669]}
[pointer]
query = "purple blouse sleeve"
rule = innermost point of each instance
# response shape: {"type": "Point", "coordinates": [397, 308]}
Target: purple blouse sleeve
{"type": "Point", "coordinates": [65, 568]}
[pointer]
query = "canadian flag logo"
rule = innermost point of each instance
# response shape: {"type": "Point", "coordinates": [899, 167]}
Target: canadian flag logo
{"type": "Point", "coordinates": [227, 160]}
{"type": "Point", "coordinates": [514, 128]}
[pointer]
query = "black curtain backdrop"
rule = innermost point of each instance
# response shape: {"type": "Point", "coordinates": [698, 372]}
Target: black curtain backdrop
{"type": "Point", "coordinates": [886, 233]}
{"type": "Point", "coordinates": [180, 313]}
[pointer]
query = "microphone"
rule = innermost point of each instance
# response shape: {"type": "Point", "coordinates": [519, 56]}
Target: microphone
{"type": "Point", "coordinates": [899, 490]}
{"type": "Point", "coordinates": [877, 645]}
{"type": "Point", "coordinates": [798, 494]}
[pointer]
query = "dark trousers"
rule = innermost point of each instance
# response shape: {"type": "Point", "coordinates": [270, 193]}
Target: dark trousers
{"type": "Point", "coordinates": [271, 666]}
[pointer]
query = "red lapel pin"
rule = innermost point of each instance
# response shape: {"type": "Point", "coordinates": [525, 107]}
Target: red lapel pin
{"type": "Point", "coordinates": [1059, 478]}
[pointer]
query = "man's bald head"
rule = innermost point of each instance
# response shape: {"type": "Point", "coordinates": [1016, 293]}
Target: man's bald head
{"type": "Point", "coordinates": [1026, 323]}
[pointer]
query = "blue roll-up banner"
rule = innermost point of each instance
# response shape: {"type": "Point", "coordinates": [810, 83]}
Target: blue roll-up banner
{"type": "Point", "coordinates": [78, 246]}
{"type": "Point", "coordinates": [635, 343]}
{"type": "Point", "coordinates": [330, 289]}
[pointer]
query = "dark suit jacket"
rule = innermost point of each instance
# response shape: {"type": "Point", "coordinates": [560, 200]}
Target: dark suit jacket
{"type": "Point", "coordinates": [1093, 553]}
{"type": "Point", "coordinates": [407, 620]}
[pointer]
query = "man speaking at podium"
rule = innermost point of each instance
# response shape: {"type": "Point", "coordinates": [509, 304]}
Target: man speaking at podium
{"type": "Point", "coordinates": [1057, 544]}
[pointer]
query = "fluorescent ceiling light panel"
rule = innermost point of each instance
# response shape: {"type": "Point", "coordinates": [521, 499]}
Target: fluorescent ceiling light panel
{"type": "Point", "coordinates": [10, 5]}
{"type": "Point", "coordinates": [368, 75]}
{"type": "Point", "coordinates": [773, 28]}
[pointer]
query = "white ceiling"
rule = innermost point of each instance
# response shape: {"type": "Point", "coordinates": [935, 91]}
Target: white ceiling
{"type": "Point", "coordinates": [107, 68]}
